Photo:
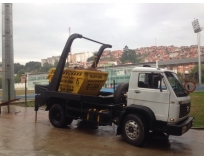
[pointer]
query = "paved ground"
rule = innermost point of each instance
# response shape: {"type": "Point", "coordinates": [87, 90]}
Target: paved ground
{"type": "Point", "coordinates": [20, 136]}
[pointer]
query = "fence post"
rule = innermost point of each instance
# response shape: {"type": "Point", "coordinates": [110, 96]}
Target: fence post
{"type": "Point", "coordinates": [25, 91]}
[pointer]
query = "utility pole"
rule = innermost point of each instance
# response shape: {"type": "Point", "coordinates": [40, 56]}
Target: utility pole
{"type": "Point", "coordinates": [8, 92]}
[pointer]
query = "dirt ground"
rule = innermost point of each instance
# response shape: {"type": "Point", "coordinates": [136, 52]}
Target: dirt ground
{"type": "Point", "coordinates": [20, 136]}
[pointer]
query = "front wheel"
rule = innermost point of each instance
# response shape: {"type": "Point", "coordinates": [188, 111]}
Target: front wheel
{"type": "Point", "coordinates": [57, 116]}
{"type": "Point", "coordinates": [134, 130]}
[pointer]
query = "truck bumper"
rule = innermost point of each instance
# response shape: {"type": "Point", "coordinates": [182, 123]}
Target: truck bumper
{"type": "Point", "coordinates": [180, 128]}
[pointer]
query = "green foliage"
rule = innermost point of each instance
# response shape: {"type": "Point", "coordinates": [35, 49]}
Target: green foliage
{"type": "Point", "coordinates": [181, 78]}
{"type": "Point", "coordinates": [197, 108]}
{"type": "Point", "coordinates": [21, 72]}
{"type": "Point", "coordinates": [56, 63]}
{"type": "Point", "coordinates": [129, 56]}
{"type": "Point", "coordinates": [32, 66]}
{"type": "Point", "coordinates": [18, 67]}
{"type": "Point", "coordinates": [194, 74]}
{"type": "Point", "coordinates": [90, 59]}
{"type": "Point", "coordinates": [46, 67]}
{"type": "Point", "coordinates": [17, 79]}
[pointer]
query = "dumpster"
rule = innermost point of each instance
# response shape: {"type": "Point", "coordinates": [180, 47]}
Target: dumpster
{"type": "Point", "coordinates": [80, 81]}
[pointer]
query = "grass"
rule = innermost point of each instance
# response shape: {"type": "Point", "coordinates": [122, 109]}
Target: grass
{"type": "Point", "coordinates": [29, 104]}
{"type": "Point", "coordinates": [197, 107]}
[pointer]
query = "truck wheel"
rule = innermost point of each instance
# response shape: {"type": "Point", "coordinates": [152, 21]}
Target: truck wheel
{"type": "Point", "coordinates": [119, 96]}
{"type": "Point", "coordinates": [134, 130]}
{"type": "Point", "coordinates": [57, 116]}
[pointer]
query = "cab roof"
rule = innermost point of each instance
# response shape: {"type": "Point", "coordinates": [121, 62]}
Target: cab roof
{"type": "Point", "coordinates": [149, 69]}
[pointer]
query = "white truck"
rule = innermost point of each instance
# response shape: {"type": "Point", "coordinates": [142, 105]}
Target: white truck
{"type": "Point", "coordinates": [153, 101]}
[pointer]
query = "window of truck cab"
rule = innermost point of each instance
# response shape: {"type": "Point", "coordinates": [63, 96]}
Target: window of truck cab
{"type": "Point", "coordinates": [151, 81]}
{"type": "Point", "coordinates": [176, 84]}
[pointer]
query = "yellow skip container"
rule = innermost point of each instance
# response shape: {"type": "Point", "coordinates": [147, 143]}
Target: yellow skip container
{"type": "Point", "coordinates": [80, 81]}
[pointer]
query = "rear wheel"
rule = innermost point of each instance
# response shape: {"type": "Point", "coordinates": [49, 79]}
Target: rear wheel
{"type": "Point", "coordinates": [57, 116]}
{"type": "Point", "coordinates": [134, 130]}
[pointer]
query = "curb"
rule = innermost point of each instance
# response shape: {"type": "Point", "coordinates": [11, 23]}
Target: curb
{"type": "Point", "coordinates": [197, 127]}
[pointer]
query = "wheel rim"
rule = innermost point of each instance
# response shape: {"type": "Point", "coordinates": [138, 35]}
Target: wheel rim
{"type": "Point", "coordinates": [132, 129]}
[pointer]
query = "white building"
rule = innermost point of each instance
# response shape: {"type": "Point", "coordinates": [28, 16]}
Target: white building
{"type": "Point", "coordinates": [33, 79]}
{"type": "Point", "coordinates": [74, 58]}
{"type": "Point", "coordinates": [82, 57]}
{"type": "Point", "coordinates": [50, 60]}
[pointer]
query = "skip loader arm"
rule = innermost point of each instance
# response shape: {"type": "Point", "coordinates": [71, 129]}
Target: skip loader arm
{"type": "Point", "coordinates": [55, 82]}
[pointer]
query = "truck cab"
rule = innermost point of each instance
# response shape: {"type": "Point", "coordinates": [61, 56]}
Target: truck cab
{"type": "Point", "coordinates": [170, 102]}
{"type": "Point", "coordinates": [156, 97]}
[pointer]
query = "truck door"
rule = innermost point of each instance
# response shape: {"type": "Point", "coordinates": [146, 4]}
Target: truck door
{"type": "Point", "coordinates": [147, 93]}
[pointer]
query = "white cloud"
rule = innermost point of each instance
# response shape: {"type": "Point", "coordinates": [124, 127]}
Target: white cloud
{"type": "Point", "coordinates": [41, 30]}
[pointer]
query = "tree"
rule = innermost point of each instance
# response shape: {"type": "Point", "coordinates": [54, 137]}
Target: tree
{"type": "Point", "coordinates": [128, 55]}
{"type": "Point", "coordinates": [17, 79]}
{"type": "Point", "coordinates": [56, 63]}
{"type": "Point", "coordinates": [194, 74]}
{"type": "Point", "coordinates": [17, 67]}
{"type": "Point", "coordinates": [181, 78]}
{"type": "Point", "coordinates": [46, 67]}
{"type": "Point", "coordinates": [21, 72]}
{"type": "Point", "coordinates": [32, 66]}
{"type": "Point", "coordinates": [90, 59]}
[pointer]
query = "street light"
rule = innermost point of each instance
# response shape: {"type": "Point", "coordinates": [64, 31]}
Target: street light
{"type": "Point", "coordinates": [198, 29]}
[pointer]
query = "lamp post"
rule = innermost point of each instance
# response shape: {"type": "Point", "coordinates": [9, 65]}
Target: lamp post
{"type": "Point", "coordinates": [198, 29]}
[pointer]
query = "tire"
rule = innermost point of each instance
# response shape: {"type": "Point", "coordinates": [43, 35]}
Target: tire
{"type": "Point", "coordinates": [119, 96]}
{"type": "Point", "coordinates": [134, 130]}
{"type": "Point", "coordinates": [57, 116]}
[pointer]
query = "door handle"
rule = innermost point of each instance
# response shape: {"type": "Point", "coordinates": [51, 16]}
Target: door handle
{"type": "Point", "coordinates": [136, 91]}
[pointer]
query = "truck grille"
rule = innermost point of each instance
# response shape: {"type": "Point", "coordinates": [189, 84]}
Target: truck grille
{"type": "Point", "coordinates": [184, 109]}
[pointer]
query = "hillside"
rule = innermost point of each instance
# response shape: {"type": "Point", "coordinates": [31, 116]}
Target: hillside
{"type": "Point", "coordinates": [151, 54]}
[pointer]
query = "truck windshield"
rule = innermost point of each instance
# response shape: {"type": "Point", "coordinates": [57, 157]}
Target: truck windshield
{"type": "Point", "coordinates": [176, 84]}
